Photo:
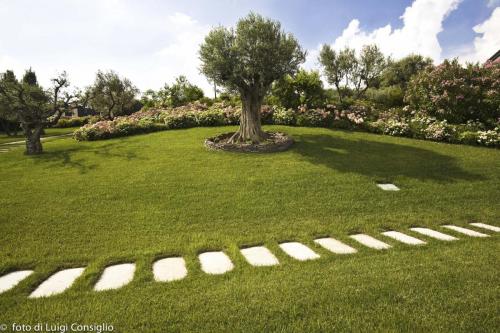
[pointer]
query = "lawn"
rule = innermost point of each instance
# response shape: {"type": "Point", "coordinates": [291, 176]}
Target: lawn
{"type": "Point", "coordinates": [48, 132]}
{"type": "Point", "coordinates": [140, 198]}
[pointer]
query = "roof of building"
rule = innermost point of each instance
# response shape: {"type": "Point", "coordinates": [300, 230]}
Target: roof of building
{"type": "Point", "coordinates": [495, 56]}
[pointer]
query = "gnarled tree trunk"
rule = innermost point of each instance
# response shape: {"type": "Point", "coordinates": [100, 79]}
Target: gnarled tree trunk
{"type": "Point", "coordinates": [250, 126]}
{"type": "Point", "coordinates": [33, 142]}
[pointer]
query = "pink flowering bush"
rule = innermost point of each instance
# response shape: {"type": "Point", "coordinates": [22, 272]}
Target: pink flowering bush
{"type": "Point", "coordinates": [457, 94]}
{"type": "Point", "coordinates": [355, 116]}
{"type": "Point", "coordinates": [313, 117]}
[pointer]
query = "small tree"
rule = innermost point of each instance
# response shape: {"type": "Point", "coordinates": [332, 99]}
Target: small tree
{"type": "Point", "coordinates": [183, 92]}
{"type": "Point", "coordinates": [111, 95]}
{"type": "Point", "coordinates": [338, 67]}
{"type": "Point", "coordinates": [248, 60]}
{"type": "Point", "coordinates": [370, 65]}
{"type": "Point", "coordinates": [344, 70]}
{"type": "Point", "coordinates": [7, 112]}
{"type": "Point", "coordinates": [401, 71]}
{"type": "Point", "coordinates": [34, 107]}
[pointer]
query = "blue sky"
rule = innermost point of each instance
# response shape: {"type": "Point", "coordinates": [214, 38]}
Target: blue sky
{"type": "Point", "coordinates": [152, 41]}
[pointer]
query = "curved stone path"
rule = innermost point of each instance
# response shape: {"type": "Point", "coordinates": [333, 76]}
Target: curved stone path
{"type": "Point", "coordinates": [218, 262]}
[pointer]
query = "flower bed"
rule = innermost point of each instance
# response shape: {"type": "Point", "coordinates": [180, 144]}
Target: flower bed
{"type": "Point", "coordinates": [394, 122]}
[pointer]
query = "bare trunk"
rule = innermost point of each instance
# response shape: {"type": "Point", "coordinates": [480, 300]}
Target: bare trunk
{"type": "Point", "coordinates": [33, 142]}
{"type": "Point", "coordinates": [250, 128]}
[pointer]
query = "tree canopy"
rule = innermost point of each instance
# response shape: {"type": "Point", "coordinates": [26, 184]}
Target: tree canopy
{"type": "Point", "coordinates": [248, 59]}
{"type": "Point", "coordinates": [111, 95]}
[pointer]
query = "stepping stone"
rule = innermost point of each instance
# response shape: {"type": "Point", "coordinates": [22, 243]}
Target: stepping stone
{"type": "Point", "coordinates": [10, 280]}
{"type": "Point", "coordinates": [371, 242]}
{"type": "Point", "coordinates": [299, 251]}
{"type": "Point", "coordinates": [216, 262]}
{"type": "Point", "coordinates": [115, 277]}
{"type": "Point", "coordinates": [434, 234]}
{"type": "Point", "coordinates": [486, 226]}
{"type": "Point", "coordinates": [465, 231]}
{"type": "Point", "coordinates": [335, 246]}
{"type": "Point", "coordinates": [403, 238]}
{"type": "Point", "coordinates": [259, 256]}
{"type": "Point", "coordinates": [388, 187]}
{"type": "Point", "coordinates": [169, 269]}
{"type": "Point", "coordinates": [57, 283]}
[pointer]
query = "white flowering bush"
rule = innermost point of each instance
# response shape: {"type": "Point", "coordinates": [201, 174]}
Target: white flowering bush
{"type": "Point", "coordinates": [489, 138]}
{"type": "Point", "coordinates": [439, 131]}
{"type": "Point", "coordinates": [283, 116]}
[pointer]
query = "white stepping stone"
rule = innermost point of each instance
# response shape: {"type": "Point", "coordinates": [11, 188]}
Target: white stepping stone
{"type": "Point", "coordinates": [10, 280]}
{"type": "Point", "coordinates": [57, 283]}
{"type": "Point", "coordinates": [259, 256]}
{"type": "Point", "coordinates": [299, 251]}
{"type": "Point", "coordinates": [486, 226]}
{"type": "Point", "coordinates": [335, 246]}
{"type": "Point", "coordinates": [169, 269]}
{"type": "Point", "coordinates": [216, 262]}
{"type": "Point", "coordinates": [403, 238]}
{"type": "Point", "coordinates": [115, 277]}
{"type": "Point", "coordinates": [465, 231]}
{"type": "Point", "coordinates": [371, 242]}
{"type": "Point", "coordinates": [434, 234]}
{"type": "Point", "coordinates": [388, 187]}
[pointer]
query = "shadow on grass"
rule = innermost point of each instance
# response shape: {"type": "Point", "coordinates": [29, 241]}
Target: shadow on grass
{"type": "Point", "coordinates": [67, 157]}
{"type": "Point", "coordinates": [380, 160]}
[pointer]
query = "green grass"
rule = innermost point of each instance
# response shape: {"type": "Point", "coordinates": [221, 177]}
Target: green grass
{"type": "Point", "coordinates": [48, 132]}
{"type": "Point", "coordinates": [145, 197]}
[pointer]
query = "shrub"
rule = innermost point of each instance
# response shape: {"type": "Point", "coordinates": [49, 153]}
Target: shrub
{"type": "Point", "coordinates": [489, 138]}
{"type": "Point", "coordinates": [314, 117]}
{"type": "Point", "coordinates": [72, 122]}
{"type": "Point", "coordinates": [388, 96]}
{"type": "Point", "coordinates": [468, 137]}
{"type": "Point", "coordinates": [213, 117]}
{"type": "Point", "coordinates": [173, 121]}
{"type": "Point", "coordinates": [351, 117]}
{"type": "Point", "coordinates": [282, 116]}
{"type": "Point", "coordinates": [457, 94]}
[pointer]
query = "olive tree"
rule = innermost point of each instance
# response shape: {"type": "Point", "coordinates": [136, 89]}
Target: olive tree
{"type": "Point", "coordinates": [338, 67]}
{"type": "Point", "coordinates": [111, 95]}
{"type": "Point", "coordinates": [247, 60]}
{"type": "Point", "coordinates": [345, 70]}
{"type": "Point", "coordinates": [34, 107]}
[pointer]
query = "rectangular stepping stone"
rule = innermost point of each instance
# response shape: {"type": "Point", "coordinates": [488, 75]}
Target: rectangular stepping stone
{"type": "Point", "coordinates": [371, 242]}
{"type": "Point", "coordinates": [299, 251]}
{"type": "Point", "coordinates": [335, 246]}
{"type": "Point", "coordinates": [403, 238]}
{"type": "Point", "coordinates": [388, 187]}
{"type": "Point", "coordinates": [465, 231]}
{"type": "Point", "coordinates": [216, 262]}
{"type": "Point", "coordinates": [259, 256]}
{"type": "Point", "coordinates": [115, 277]}
{"type": "Point", "coordinates": [486, 226]}
{"type": "Point", "coordinates": [434, 234]}
{"type": "Point", "coordinates": [10, 280]}
{"type": "Point", "coordinates": [169, 269]}
{"type": "Point", "coordinates": [57, 283]}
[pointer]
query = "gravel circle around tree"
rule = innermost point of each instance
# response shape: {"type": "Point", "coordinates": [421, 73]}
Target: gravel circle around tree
{"type": "Point", "coordinates": [275, 142]}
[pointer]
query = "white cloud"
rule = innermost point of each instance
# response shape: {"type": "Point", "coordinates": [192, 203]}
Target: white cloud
{"type": "Point", "coordinates": [180, 56]}
{"type": "Point", "coordinates": [487, 43]}
{"type": "Point", "coordinates": [422, 22]}
{"type": "Point", "coordinates": [150, 47]}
